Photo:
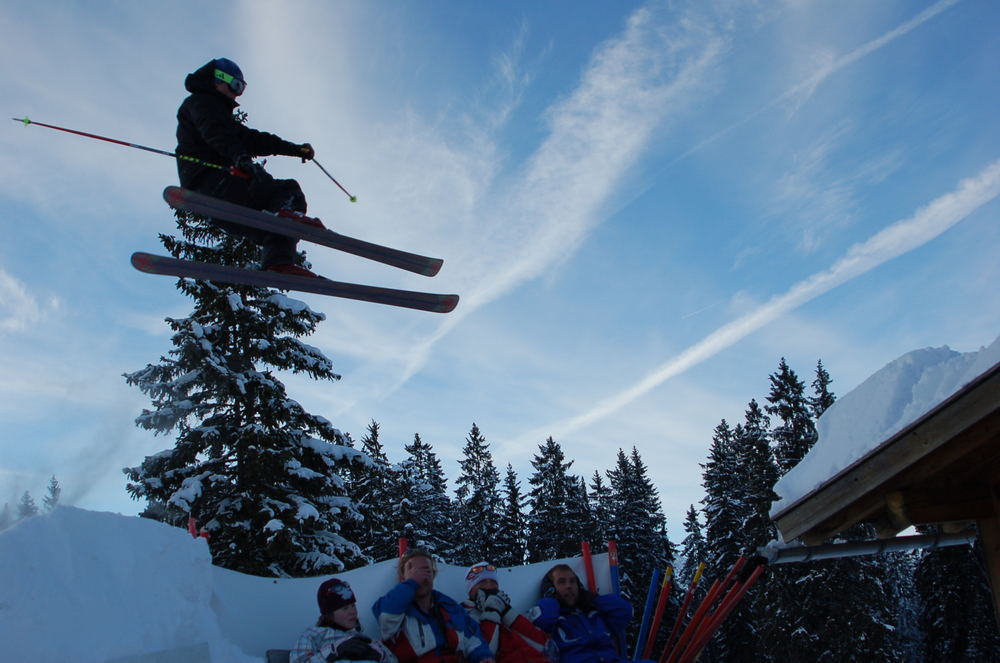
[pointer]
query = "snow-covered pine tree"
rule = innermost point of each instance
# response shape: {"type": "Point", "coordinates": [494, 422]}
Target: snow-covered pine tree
{"type": "Point", "coordinates": [721, 505]}
{"type": "Point", "coordinates": [373, 490]}
{"type": "Point", "coordinates": [435, 513]}
{"type": "Point", "coordinates": [549, 536]}
{"type": "Point", "coordinates": [693, 548]}
{"type": "Point", "coordinates": [403, 502]}
{"type": "Point", "coordinates": [258, 472]}
{"type": "Point", "coordinates": [477, 502]}
{"type": "Point", "coordinates": [579, 516]}
{"type": "Point", "coordinates": [795, 432]}
{"type": "Point", "coordinates": [600, 509]}
{"type": "Point", "coordinates": [822, 397]}
{"type": "Point", "coordinates": [511, 538]}
{"type": "Point", "coordinates": [638, 525]}
{"type": "Point", "coordinates": [26, 508]}
{"type": "Point", "coordinates": [956, 612]}
{"type": "Point", "coordinates": [809, 606]}
{"type": "Point", "coordinates": [726, 510]}
{"type": "Point", "coordinates": [51, 498]}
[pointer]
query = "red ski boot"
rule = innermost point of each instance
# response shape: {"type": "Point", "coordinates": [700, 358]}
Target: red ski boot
{"type": "Point", "coordinates": [291, 269]}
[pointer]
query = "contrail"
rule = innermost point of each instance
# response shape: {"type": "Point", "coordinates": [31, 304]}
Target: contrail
{"type": "Point", "coordinates": [825, 72]}
{"type": "Point", "coordinates": [895, 240]}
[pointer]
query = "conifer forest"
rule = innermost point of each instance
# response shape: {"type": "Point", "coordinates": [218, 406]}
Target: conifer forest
{"type": "Point", "coordinates": [285, 493]}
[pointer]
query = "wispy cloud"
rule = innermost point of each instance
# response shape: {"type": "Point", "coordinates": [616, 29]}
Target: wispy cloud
{"type": "Point", "coordinates": [525, 225]}
{"type": "Point", "coordinates": [895, 240]}
{"type": "Point", "coordinates": [805, 88]}
{"type": "Point", "coordinates": [18, 308]}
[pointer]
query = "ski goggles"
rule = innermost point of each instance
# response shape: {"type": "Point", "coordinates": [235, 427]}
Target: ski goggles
{"type": "Point", "coordinates": [476, 570]}
{"type": "Point", "coordinates": [237, 85]}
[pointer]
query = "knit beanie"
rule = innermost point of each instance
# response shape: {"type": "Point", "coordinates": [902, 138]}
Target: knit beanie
{"type": "Point", "coordinates": [333, 594]}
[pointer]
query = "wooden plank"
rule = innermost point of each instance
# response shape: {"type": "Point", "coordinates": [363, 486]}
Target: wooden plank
{"type": "Point", "coordinates": [849, 489]}
{"type": "Point", "coordinates": [989, 535]}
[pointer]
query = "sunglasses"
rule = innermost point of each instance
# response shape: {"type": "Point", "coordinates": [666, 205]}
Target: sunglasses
{"type": "Point", "coordinates": [476, 570]}
{"type": "Point", "coordinates": [235, 84]}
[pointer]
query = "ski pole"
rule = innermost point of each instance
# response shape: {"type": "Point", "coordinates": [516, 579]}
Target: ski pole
{"type": "Point", "coordinates": [647, 613]}
{"type": "Point", "coordinates": [588, 566]}
{"type": "Point", "coordinates": [353, 199]}
{"type": "Point", "coordinates": [719, 587]}
{"type": "Point", "coordinates": [621, 643]}
{"type": "Point", "coordinates": [682, 613]}
{"type": "Point", "coordinates": [231, 170]}
{"type": "Point", "coordinates": [732, 599]}
{"type": "Point", "coordinates": [658, 615]}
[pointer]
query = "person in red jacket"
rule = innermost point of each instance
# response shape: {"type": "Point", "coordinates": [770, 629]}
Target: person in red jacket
{"type": "Point", "coordinates": [511, 637]}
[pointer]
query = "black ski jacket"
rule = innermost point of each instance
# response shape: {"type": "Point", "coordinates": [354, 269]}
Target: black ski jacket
{"type": "Point", "coordinates": [207, 130]}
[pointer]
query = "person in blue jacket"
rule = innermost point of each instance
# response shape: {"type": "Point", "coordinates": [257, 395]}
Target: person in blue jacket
{"type": "Point", "coordinates": [579, 622]}
{"type": "Point", "coordinates": [422, 625]}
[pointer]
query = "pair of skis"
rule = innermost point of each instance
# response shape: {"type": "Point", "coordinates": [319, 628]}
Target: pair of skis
{"type": "Point", "coordinates": [198, 203]}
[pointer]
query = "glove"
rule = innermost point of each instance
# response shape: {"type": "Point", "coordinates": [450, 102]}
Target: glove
{"type": "Point", "coordinates": [494, 606]}
{"type": "Point", "coordinates": [358, 648]}
{"type": "Point", "coordinates": [306, 151]}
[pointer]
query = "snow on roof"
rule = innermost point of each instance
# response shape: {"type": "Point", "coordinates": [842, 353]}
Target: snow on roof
{"type": "Point", "coordinates": [881, 406]}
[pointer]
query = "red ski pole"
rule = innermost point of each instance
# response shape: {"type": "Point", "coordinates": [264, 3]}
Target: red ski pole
{"type": "Point", "coordinates": [731, 601]}
{"type": "Point", "coordinates": [661, 604]}
{"type": "Point", "coordinates": [232, 171]}
{"type": "Point", "coordinates": [717, 588]}
{"type": "Point", "coordinates": [685, 604]}
{"type": "Point", "coordinates": [588, 566]}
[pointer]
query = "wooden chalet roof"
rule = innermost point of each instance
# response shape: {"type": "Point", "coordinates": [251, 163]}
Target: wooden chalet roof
{"type": "Point", "coordinates": [942, 468]}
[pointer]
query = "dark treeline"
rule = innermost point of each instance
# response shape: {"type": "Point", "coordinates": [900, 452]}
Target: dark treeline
{"type": "Point", "coordinates": [282, 492]}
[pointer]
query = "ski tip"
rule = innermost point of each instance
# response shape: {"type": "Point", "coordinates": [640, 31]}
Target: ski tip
{"type": "Point", "coordinates": [24, 120]}
{"type": "Point", "coordinates": [448, 304]}
{"type": "Point", "coordinates": [142, 261]}
{"type": "Point", "coordinates": [433, 267]}
{"type": "Point", "coordinates": [173, 195]}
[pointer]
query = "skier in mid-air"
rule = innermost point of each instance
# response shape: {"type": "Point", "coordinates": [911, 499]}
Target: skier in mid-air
{"type": "Point", "coordinates": [208, 132]}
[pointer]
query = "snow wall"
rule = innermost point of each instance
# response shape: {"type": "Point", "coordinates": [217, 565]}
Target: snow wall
{"type": "Point", "coordinates": [94, 587]}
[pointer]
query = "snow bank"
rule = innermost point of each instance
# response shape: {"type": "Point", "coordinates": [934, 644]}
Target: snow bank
{"type": "Point", "coordinates": [881, 406]}
{"type": "Point", "coordinates": [80, 585]}
{"type": "Point", "coordinates": [84, 586]}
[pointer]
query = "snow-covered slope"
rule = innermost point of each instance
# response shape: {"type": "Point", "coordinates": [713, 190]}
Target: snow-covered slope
{"type": "Point", "coordinates": [93, 587]}
{"type": "Point", "coordinates": [884, 404]}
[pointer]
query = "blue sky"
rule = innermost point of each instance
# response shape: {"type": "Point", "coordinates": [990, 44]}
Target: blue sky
{"type": "Point", "coordinates": [644, 206]}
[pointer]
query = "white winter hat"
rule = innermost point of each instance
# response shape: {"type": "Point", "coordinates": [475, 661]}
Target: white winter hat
{"type": "Point", "coordinates": [478, 573]}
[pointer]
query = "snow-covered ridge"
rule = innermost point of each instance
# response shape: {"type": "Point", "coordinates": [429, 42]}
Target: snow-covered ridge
{"type": "Point", "coordinates": [92, 587]}
{"type": "Point", "coordinates": [881, 406]}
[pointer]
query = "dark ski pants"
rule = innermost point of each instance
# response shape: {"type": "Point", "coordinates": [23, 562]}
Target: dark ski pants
{"type": "Point", "coordinates": [262, 193]}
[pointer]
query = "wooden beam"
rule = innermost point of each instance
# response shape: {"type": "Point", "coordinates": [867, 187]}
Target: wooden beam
{"type": "Point", "coordinates": [989, 534]}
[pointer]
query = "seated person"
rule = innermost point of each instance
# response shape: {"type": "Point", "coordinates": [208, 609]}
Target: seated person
{"type": "Point", "coordinates": [578, 621]}
{"type": "Point", "coordinates": [511, 637]}
{"type": "Point", "coordinates": [421, 625]}
{"type": "Point", "coordinates": [336, 636]}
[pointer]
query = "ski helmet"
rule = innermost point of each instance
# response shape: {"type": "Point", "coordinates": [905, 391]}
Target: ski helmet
{"type": "Point", "coordinates": [229, 72]}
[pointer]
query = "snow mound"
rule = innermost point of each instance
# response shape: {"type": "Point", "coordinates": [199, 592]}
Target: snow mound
{"type": "Point", "coordinates": [881, 406]}
{"type": "Point", "coordinates": [87, 586]}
